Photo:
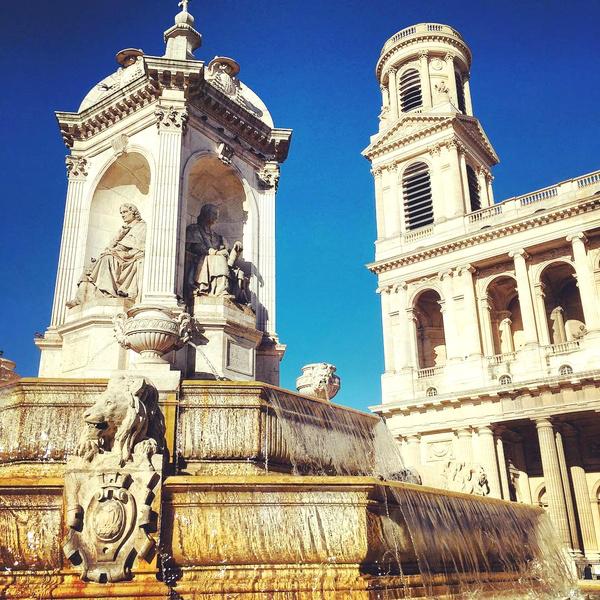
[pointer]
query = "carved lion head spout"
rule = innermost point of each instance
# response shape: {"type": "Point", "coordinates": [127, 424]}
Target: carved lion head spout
{"type": "Point", "coordinates": [125, 420]}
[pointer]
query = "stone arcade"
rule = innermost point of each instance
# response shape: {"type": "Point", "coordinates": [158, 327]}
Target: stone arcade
{"type": "Point", "coordinates": [491, 313]}
{"type": "Point", "coordinates": [155, 457]}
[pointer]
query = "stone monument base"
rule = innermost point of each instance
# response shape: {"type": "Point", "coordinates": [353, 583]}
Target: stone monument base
{"type": "Point", "coordinates": [225, 340]}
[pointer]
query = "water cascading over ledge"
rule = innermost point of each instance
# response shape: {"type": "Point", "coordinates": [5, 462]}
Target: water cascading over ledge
{"type": "Point", "coordinates": [267, 494]}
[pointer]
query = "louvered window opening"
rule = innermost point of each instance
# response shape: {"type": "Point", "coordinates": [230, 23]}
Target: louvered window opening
{"type": "Point", "coordinates": [418, 205]}
{"type": "Point", "coordinates": [410, 90]}
{"type": "Point", "coordinates": [460, 92]}
{"type": "Point", "coordinates": [473, 189]}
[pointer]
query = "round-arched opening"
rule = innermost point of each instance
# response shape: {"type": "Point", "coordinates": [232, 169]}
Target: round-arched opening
{"type": "Point", "coordinates": [542, 499]}
{"type": "Point", "coordinates": [565, 370]}
{"type": "Point", "coordinates": [507, 323]}
{"type": "Point", "coordinates": [431, 339]}
{"type": "Point", "coordinates": [505, 380]}
{"type": "Point", "coordinates": [564, 312]}
{"type": "Point", "coordinates": [473, 184]}
{"type": "Point", "coordinates": [126, 181]}
{"type": "Point", "coordinates": [410, 90]}
{"type": "Point", "coordinates": [431, 392]}
{"type": "Point", "coordinates": [418, 202]}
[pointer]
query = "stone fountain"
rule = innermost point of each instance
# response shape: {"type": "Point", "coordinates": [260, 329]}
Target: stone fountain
{"type": "Point", "coordinates": [155, 455]}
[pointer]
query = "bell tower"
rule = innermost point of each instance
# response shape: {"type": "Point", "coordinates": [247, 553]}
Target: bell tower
{"type": "Point", "coordinates": [154, 145]}
{"type": "Point", "coordinates": [431, 159]}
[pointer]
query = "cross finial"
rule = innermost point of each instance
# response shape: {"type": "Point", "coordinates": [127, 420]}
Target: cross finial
{"type": "Point", "coordinates": [184, 5]}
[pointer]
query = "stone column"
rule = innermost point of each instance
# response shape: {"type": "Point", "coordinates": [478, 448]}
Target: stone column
{"type": "Point", "coordinates": [564, 475]}
{"type": "Point", "coordinates": [585, 282]}
{"type": "Point", "coordinates": [552, 478]}
{"type": "Point", "coordinates": [425, 81]}
{"type": "Point", "coordinates": [490, 190]}
{"type": "Point", "coordinates": [70, 264]}
{"type": "Point", "coordinates": [388, 341]}
{"type": "Point", "coordinates": [265, 293]}
{"type": "Point", "coordinates": [486, 326]}
{"type": "Point", "coordinates": [465, 444]}
{"type": "Point", "coordinates": [582, 492]}
{"type": "Point", "coordinates": [437, 185]}
{"type": "Point", "coordinates": [413, 450]}
{"type": "Point", "coordinates": [160, 266]}
{"type": "Point", "coordinates": [487, 456]}
{"type": "Point", "coordinates": [393, 87]}
{"type": "Point", "coordinates": [558, 325]}
{"type": "Point", "coordinates": [523, 475]}
{"type": "Point", "coordinates": [467, 88]}
{"type": "Point", "coordinates": [456, 176]}
{"type": "Point", "coordinates": [379, 212]}
{"type": "Point", "coordinates": [498, 431]}
{"type": "Point", "coordinates": [472, 341]}
{"type": "Point", "coordinates": [396, 208]}
{"type": "Point", "coordinates": [483, 191]}
{"type": "Point", "coordinates": [411, 315]}
{"type": "Point", "coordinates": [449, 317]}
{"type": "Point", "coordinates": [542, 319]}
{"type": "Point", "coordinates": [400, 336]}
{"type": "Point", "coordinates": [449, 58]}
{"type": "Point", "coordinates": [525, 302]}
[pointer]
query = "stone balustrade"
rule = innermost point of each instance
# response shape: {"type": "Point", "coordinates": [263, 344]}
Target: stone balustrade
{"type": "Point", "coordinates": [518, 207]}
{"type": "Point", "coordinates": [420, 29]}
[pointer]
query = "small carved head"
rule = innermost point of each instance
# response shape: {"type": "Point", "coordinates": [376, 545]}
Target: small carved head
{"type": "Point", "coordinates": [129, 212]}
{"type": "Point", "coordinates": [209, 214]}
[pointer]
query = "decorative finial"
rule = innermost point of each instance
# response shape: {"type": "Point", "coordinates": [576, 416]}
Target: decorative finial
{"type": "Point", "coordinates": [184, 5]}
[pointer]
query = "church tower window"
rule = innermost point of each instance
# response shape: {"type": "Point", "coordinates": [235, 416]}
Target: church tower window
{"type": "Point", "coordinates": [473, 189]}
{"type": "Point", "coordinates": [460, 93]}
{"type": "Point", "coordinates": [418, 205]}
{"type": "Point", "coordinates": [410, 90]}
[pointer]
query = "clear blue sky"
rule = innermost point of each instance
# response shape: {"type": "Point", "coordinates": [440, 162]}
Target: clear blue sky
{"type": "Point", "coordinates": [534, 83]}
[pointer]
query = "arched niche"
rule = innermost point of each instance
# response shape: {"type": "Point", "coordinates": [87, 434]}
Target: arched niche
{"type": "Point", "coordinates": [212, 182]}
{"type": "Point", "coordinates": [562, 300]}
{"type": "Point", "coordinates": [430, 330]}
{"type": "Point", "coordinates": [127, 180]}
{"type": "Point", "coordinates": [507, 322]}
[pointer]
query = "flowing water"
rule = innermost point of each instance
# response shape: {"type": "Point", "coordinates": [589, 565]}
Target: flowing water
{"type": "Point", "coordinates": [475, 539]}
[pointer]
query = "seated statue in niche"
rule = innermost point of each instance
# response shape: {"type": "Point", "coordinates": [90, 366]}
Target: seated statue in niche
{"type": "Point", "coordinates": [117, 272]}
{"type": "Point", "coordinates": [210, 263]}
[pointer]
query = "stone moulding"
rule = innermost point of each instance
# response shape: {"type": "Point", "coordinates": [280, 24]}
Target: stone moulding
{"type": "Point", "coordinates": [578, 207]}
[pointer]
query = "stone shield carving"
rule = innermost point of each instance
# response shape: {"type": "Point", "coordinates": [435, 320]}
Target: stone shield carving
{"type": "Point", "coordinates": [112, 482]}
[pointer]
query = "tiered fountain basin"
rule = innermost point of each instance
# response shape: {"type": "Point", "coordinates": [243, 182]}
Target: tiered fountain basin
{"type": "Point", "coordinates": [267, 495]}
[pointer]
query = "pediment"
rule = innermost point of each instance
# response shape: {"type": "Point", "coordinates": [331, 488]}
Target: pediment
{"type": "Point", "coordinates": [405, 130]}
{"type": "Point", "coordinates": [472, 127]}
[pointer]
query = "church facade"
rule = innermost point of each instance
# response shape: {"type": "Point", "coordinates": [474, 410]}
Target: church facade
{"type": "Point", "coordinates": [491, 310]}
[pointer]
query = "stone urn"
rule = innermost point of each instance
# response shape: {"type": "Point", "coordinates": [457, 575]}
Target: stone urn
{"type": "Point", "coordinates": [152, 331]}
{"type": "Point", "coordinates": [318, 380]}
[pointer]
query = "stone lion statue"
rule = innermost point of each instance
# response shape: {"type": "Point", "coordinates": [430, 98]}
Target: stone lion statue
{"type": "Point", "coordinates": [125, 419]}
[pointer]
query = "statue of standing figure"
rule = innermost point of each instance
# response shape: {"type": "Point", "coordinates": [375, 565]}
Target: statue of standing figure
{"type": "Point", "coordinates": [117, 272]}
{"type": "Point", "coordinates": [210, 262]}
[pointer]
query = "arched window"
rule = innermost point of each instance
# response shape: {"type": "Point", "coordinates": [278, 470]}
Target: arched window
{"type": "Point", "coordinates": [460, 92]}
{"type": "Point", "coordinates": [418, 206]}
{"type": "Point", "coordinates": [565, 370]}
{"type": "Point", "coordinates": [431, 392]}
{"type": "Point", "coordinates": [505, 380]}
{"type": "Point", "coordinates": [410, 90]}
{"type": "Point", "coordinates": [473, 188]}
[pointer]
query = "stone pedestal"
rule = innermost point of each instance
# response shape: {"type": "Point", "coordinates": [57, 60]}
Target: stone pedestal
{"type": "Point", "coordinates": [225, 340]}
{"type": "Point", "coordinates": [86, 341]}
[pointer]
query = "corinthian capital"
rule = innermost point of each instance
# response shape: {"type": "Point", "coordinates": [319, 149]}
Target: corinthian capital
{"type": "Point", "coordinates": [268, 178]}
{"type": "Point", "coordinates": [77, 166]}
{"type": "Point", "coordinates": [171, 118]}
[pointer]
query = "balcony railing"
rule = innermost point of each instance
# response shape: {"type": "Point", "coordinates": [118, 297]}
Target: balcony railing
{"type": "Point", "coordinates": [420, 28]}
{"type": "Point", "coordinates": [429, 372]}
{"type": "Point", "coordinates": [563, 347]}
{"type": "Point", "coordinates": [418, 234]}
{"type": "Point", "coordinates": [499, 359]}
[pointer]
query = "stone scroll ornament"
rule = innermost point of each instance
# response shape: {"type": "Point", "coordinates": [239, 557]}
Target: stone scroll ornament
{"type": "Point", "coordinates": [112, 482]}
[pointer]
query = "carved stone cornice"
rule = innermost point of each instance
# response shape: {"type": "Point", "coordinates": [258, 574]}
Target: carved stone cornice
{"type": "Point", "coordinates": [475, 239]}
{"type": "Point", "coordinates": [432, 37]}
{"type": "Point", "coordinates": [171, 119]}
{"type": "Point", "coordinates": [77, 166]}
